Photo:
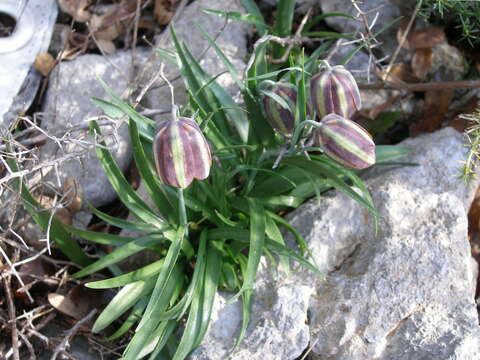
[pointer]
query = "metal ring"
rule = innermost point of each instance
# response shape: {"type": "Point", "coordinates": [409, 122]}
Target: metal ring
{"type": "Point", "coordinates": [24, 28]}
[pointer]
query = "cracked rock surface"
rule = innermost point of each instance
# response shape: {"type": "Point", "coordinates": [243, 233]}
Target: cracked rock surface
{"type": "Point", "coordinates": [403, 292]}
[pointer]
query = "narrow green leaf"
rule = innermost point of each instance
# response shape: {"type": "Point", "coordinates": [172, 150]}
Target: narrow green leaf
{"type": "Point", "coordinates": [162, 279]}
{"type": "Point", "coordinates": [252, 8]}
{"type": "Point", "coordinates": [282, 200]}
{"type": "Point", "coordinates": [210, 284]}
{"type": "Point", "coordinates": [121, 253]}
{"type": "Point", "coordinates": [284, 18]}
{"type": "Point", "coordinates": [121, 223]}
{"type": "Point", "coordinates": [168, 55]}
{"type": "Point", "coordinates": [257, 240]}
{"type": "Point", "coordinates": [181, 307]}
{"type": "Point", "coordinates": [274, 233]}
{"type": "Point", "coordinates": [391, 152]}
{"type": "Point", "coordinates": [98, 237]}
{"type": "Point", "coordinates": [243, 236]}
{"type": "Point", "coordinates": [328, 35]}
{"type": "Point", "coordinates": [146, 125]}
{"type": "Point", "coordinates": [110, 109]}
{"type": "Point", "coordinates": [322, 169]}
{"type": "Point", "coordinates": [161, 337]}
{"type": "Point", "coordinates": [124, 190]}
{"type": "Point", "coordinates": [283, 24]}
{"type": "Point", "coordinates": [132, 318]}
{"type": "Point", "coordinates": [137, 275]}
{"type": "Point", "coordinates": [253, 19]}
{"type": "Point", "coordinates": [231, 114]}
{"type": "Point", "coordinates": [151, 181]}
{"type": "Point", "coordinates": [124, 300]}
{"type": "Point", "coordinates": [148, 336]}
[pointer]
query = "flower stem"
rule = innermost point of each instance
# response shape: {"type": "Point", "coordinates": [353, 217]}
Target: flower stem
{"type": "Point", "coordinates": [181, 208]}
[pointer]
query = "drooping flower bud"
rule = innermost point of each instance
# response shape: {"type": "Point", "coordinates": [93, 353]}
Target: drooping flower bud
{"type": "Point", "coordinates": [334, 91]}
{"type": "Point", "coordinates": [181, 152]}
{"type": "Point", "coordinates": [346, 142]}
{"type": "Point", "coordinates": [280, 117]}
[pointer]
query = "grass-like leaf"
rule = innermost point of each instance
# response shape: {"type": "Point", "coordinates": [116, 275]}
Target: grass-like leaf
{"type": "Point", "coordinates": [132, 318]}
{"type": "Point", "coordinates": [122, 253]}
{"type": "Point", "coordinates": [133, 276]}
{"type": "Point", "coordinates": [254, 19]}
{"type": "Point", "coordinates": [124, 224]}
{"type": "Point", "coordinates": [252, 8]}
{"type": "Point", "coordinates": [155, 189]}
{"type": "Point", "coordinates": [327, 171]}
{"type": "Point", "coordinates": [124, 300]}
{"type": "Point", "coordinates": [257, 240]}
{"type": "Point", "coordinates": [159, 299]}
{"type": "Point", "coordinates": [167, 280]}
{"type": "Point", "coordinates": [124, 190]}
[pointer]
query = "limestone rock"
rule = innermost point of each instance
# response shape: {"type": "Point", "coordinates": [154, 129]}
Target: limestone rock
{"type": "Point", "coordinates": [278, 327]}
{"type": "Point", "coordinates": [68, 103]}
{"type": "Point", "coordinates": [404, 292]}
{"type": "Point", "coordinates": [388, 10]}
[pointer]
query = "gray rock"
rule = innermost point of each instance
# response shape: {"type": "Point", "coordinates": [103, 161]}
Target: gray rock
{"type": "Point", "coordinates": [388, 10]}
{"type": "Point", "coordinates": [404, 292]}
{"type": "Point", "coordinates": [448, 63]}
{"type": "Point", "coordinates": [232, 40]}
{"type": "Point", "coordinates": [68, 104]}
{"type": "Point", "coordinates": [278, 327]}
{"type": "Point", "coordinates": [358, 64]}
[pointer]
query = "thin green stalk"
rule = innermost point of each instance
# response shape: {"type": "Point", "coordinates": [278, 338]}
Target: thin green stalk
{"type": "Point", "coordinates": [283, 25]}
{"type": "Point", "coordinates": [182, 209]}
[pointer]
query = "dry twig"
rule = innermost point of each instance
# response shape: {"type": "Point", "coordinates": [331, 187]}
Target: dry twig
{"type": "Point", "coordinates": [12, 315]}
{"type": "Point", "coordinates": [438, 85]}
{"type": "Point", "coordinates": [70, 333]}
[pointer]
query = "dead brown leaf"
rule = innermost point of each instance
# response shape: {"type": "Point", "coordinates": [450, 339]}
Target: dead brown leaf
{"type": "Point", "coordinates": [460, 124]}
{"type": "Point", "coordinates": [474, 217]}
{"type": "Point", "coordinates": [67, 306]}
{"type": "Point", "coordinates": [422, 62]}
{"type": "Point", "coordinates": [76, 9]}
{"type": "Point", "coordinates": [105, 27]}
{"type": "Point", "coordinates": [401, 33]}
{"type": "Point", "coordinates": [44, 63]}
{"type": "Point", "coordinates": [114, 22]}
{"type": "Point", "coordinates": [427, 37]}
{"type": "Point", "coordinates": [164, 10]}
{"type": "Point", "coordinates": [436, 105]}
{"type": "Point", "coordinates": [77, 303]}
{"type": "Point", "coordinates": [73, 195]}
{"type": "Point", "coordinates": [63, 214]}
{"type": "Point", "coordinates": [106, 46]}
{"type": "Point", "coordinates": [399, 74]}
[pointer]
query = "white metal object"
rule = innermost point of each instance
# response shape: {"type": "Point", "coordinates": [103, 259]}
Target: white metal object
{"type": "Point", "coordinates": [24, 25]}
{"type": "Point", "coordinates": [35, 20]}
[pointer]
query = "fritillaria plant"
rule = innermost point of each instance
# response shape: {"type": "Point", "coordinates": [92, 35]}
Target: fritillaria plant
{"type": "Point", "coordinates": [220, 178]}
